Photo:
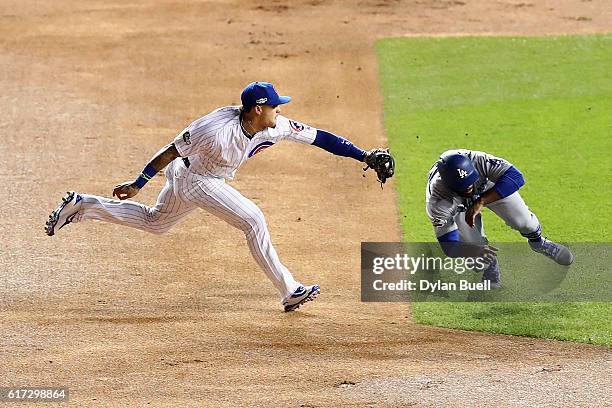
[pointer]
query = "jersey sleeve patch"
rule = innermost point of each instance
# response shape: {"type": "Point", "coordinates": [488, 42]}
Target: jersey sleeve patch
{"type": "Point", "coordinates": [187, 137]}
{"type": "Point", "coordinates": [296, 126]}
{"type": "Point", "coordinates": [260, 147]}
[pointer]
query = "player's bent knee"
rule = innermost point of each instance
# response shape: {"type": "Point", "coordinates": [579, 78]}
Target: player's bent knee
{"type": "Point", "coordinates": [254, 220]}
{"type": "Point", "coordinates": [159, 228]}
{"type": "Point", "coordinates": [524, 224]}
{"type": "Point", "coordinates": [252, 227]}
{"type": "Point", "coordinates": [158, 231]}
{"type": "Point", "coordinates": [517, 224]}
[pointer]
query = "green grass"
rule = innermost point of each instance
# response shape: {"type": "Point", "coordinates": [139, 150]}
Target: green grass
{"type": "Point", "coordinates": [543, 103]}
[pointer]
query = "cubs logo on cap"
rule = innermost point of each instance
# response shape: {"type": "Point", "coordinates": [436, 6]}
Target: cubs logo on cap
{"type": "Point", "coordinates": [261, 93]}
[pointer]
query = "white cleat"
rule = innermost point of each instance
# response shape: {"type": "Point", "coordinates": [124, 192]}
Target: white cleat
{"type": "Point", "coordinates": [64, 213]}
{"type": "Point", "coordinates": [301, 295]}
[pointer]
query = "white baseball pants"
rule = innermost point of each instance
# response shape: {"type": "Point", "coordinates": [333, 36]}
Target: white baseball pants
{"type": "Point", "coordinates": [185, 191]}
{"type": "Point", "coordinates": [511, 209]}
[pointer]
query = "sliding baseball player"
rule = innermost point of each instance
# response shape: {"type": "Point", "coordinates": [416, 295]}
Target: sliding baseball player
{"type": "Point", "coordinates": [463, 182]}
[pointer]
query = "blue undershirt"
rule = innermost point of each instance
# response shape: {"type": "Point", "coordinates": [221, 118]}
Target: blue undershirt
{"type": "Point", "coordinates": [452, 236]}
{"type": "Point", "coordinates": [446, 242]}
{"type": "Point", "coordinates": [338, 145]}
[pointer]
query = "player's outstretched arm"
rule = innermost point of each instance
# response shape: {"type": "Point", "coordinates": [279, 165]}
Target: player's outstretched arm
{"type": "Point", "coordinates": [378, 159]}
{"type": "Point", "coordinates": [338, 145]}
{"type": "Point", "coordinates": [129, 189]}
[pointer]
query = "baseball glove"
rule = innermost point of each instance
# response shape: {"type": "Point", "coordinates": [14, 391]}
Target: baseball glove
{"type": "Point", "coordinates": [382, 162]}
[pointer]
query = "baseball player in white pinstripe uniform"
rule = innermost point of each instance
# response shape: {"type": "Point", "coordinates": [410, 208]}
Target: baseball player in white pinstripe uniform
{"type": "Point", "coordinates": [199, 161]}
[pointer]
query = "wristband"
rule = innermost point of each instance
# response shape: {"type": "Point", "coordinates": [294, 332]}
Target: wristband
{"type": "Point", "coordinates": [146, 175]}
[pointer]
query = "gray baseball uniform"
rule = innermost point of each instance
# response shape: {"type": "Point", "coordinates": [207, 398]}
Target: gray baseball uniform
{"type": "Point", "coordinates": [445, 208]}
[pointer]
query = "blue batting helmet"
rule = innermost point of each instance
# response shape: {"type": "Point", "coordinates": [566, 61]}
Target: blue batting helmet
{"type": "Point", "coordinates": [457, 171]}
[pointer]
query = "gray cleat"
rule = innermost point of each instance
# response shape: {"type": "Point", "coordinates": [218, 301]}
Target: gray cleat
{"type": "Point", "coordinates": [492, 274]}
{"type": "Point", "coordinates": [557, 252]}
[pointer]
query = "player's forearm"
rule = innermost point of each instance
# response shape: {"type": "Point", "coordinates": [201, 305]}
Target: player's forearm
{"type": "Point", "coordinates": [157, 163]}
{"type": "Point", "coordinates": [164, 157]}
{"type": "Point", "coordinates": [489, 197]}
{"type": "Point", "coordinates": [338, 145]}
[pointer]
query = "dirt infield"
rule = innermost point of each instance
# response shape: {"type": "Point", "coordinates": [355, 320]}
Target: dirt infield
{"type": "Point", "coordinates": [91, 90]}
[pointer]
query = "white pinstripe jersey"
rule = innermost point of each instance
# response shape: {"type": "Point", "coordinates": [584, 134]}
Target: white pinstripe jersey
{"type": "Point", "coordinates": [216, 145]}
{"type": "Point", "coordinates": [442, 204]}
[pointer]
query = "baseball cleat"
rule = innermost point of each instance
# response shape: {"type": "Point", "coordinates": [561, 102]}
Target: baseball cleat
{"type": "Point", "coordinates": [557, 252]}
{"type": "Point", "coordinates": [64, 213]}
{"type": "Point", "coordinates": [491, 274]}
{"type": "Point", "coordinates": [301, 295]}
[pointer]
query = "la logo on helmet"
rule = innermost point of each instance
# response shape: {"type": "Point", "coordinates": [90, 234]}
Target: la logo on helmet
{"type": "Point", "coordinates": [462, 173]}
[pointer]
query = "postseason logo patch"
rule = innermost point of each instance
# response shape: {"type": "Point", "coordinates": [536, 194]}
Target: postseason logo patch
{"type": "Point", "coordinates": [296, 126]}
{"type": "Point", "coordinates": [260, 147]}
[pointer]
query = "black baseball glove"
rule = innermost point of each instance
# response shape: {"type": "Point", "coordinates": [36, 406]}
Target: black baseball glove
{"type": "Point", "coordinates": [382, 162]}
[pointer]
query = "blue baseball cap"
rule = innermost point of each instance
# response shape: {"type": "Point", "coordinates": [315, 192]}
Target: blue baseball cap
{"type": "Point", "coordinates": [261, 93]}
{"type": "Point", "coordinates": [458, 172]}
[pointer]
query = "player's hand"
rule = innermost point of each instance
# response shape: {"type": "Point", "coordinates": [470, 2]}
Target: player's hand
{"type": "Point", "coordinates": [125, 190]}
{"type": "Point", "coordinates": [473, 211]}
{"type": "Point", "coordinates": [489, 253]}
